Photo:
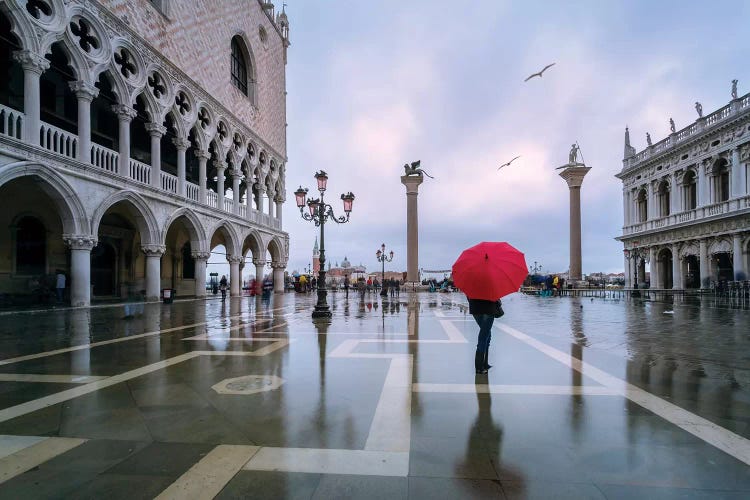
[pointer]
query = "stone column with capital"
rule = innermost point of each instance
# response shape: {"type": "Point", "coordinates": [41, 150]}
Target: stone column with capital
{"type": "Point", "coordinates": [574, 175]}
{"type": "Point", "coordinates": [80, 267]}
{"type": "Point", "coordinates": [704, 273]}
{"type": "Point", "coordinates": [153, 271]}
{"type": "Point", "coordinates": [235, 285]}
{"type": "Point", "coordinates": [33, 66]}
{"type": "Point", "coordinates": [278, 276]}
{"type": "Point", "coordinates": [156, 131]}
{"type": "Point", "coordinates": [221, 166]}
{"type": "Point", "coordinates": [181, 144]}
{"type": "Point", "coordinates": [653, 265]}
{"type": "Point", "coordinates": [236, 178]}
{"type": "Point", "coordinates": [412, 183]}
{"type": "Point", "coordinates": [125, 115]}
{"type": "Point", "coordinates": [279, 203]}
{"type": "Point", "coordinates": [738, 263]}
{"type": "Point", "coordinates": [200, 272]}
{"type": "Point", "coordinates": [85, 92]}
{"type": "Point", "coordinates": [628, 283]}
{"type": "Point", "coordinates": [259, 270]}
{"type": "Point", "coordinates": [676, 267]}
{"type": "Point", "coordinates": [271, 206]}
{"type": "Point", "coordinates": [260, 193]}
{"type": "Point", "coordinates": [203, 157]}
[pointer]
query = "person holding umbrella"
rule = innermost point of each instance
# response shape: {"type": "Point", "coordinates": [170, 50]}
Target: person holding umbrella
{"type": "Point", "coordinates": [485, 273]}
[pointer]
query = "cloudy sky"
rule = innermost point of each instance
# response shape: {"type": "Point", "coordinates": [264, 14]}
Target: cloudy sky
{"type": "Point", "coordinates": [373, 85]}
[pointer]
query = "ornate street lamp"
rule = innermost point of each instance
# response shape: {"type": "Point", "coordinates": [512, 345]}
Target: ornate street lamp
{"type": "Point", "coordinates": [319, 213]}
{"type": "Point", "coordinates": [382, 257]}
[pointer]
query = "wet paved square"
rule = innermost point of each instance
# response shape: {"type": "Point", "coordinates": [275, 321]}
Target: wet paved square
{"type": "Point", "coordinates": [251, 399]}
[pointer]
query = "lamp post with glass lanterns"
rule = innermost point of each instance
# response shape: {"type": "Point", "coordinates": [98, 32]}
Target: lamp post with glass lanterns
{"type": "Point", "coordinates": [383, 258]}
{"type": "Point", "coordinates": [319, 213]}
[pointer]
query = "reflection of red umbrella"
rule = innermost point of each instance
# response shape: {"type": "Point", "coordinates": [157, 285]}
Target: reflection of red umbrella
{"type": "Point", "coordinates": [489, 270]}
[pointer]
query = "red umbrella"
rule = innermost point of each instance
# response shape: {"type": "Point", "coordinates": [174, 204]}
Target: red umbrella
{"type": "Point", "coordinates": [489, 270]}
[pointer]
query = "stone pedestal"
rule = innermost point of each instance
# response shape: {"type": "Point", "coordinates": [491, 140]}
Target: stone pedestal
{"type": "Point", "coordinates": [412, 183]}
{"type": "Point", "coordinates": [573, 175]}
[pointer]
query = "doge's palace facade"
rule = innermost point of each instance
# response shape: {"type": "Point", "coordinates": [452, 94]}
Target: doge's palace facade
{"type": "Point", "coordinates": [136, 136]}
{"type": "Point", "coordinates": [686, 201]}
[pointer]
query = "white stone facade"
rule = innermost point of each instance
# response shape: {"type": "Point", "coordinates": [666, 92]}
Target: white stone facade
{"type": "Point", "coordinates": [686, 202]}
{"type": "Point", "coordinates": [122, 132]}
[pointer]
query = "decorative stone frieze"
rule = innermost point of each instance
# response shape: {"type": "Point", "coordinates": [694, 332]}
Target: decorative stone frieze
{"type": "Point", "coordinates": [154, 250]}
{"type": "Point", "coordinates": [80, 241]}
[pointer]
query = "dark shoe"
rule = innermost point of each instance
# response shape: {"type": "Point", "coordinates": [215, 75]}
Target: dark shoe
{"type": "Point", "coordinates": [487, 366]}
{"type": "Point", "coordinates": [479, 363]}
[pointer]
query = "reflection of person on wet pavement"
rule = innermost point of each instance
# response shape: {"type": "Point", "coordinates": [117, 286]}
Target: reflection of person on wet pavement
{"type": "Point", "coordinates": [223, 287]}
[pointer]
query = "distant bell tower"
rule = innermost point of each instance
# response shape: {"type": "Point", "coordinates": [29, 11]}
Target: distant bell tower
{"type": "Point", "coordinates": [316, 257]}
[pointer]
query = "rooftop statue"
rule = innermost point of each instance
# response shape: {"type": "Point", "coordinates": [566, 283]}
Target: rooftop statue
{"type": "Point", "coordinates": [573, 155]}
{"type": "Point", "coordinates": [414, 169]}
{"type": "Point", "coordinates": [699, 109]}
{"type": "Point", "coordinates": [734, 89]}
{"type": "Point", "coordinates": [671, 126]}
{"type": "Point", "coordinates": [648, 139]}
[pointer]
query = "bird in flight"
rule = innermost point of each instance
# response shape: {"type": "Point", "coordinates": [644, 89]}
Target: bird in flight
{"type": "Point", "coordinates": [540, 73]}
{"type": "Point", "coordinates": [506, 164]}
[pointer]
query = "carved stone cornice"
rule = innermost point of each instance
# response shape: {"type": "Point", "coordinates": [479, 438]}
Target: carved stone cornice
{"type": "Point", "coordinates": [80, 241]}
{"type": "Point", "coordinates": [153, 250]}
{"type": "Point", "coordinates": [31, 61]}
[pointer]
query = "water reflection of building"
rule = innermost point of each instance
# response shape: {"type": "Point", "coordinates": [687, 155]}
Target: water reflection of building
{"type": "Point", "coordinates": [686, 202]}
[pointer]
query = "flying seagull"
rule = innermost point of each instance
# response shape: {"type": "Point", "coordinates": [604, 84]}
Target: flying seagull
{"type": "Point", "coordinates": [506, 164]}
{"type": "Point", "coordinates": [540, 73]}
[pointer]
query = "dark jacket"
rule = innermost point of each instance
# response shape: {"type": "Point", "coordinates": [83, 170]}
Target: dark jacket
{"type": "Point", "coordinates": [479, 306]}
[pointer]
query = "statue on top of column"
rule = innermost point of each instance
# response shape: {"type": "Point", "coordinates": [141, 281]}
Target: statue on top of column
{"type": "Point", "coordinates": [699, 109]}
{"type": "Point", "coordinates": [671, 125]}
{"type": "Point", "coordinates": [734, 89]}
{"type": "Point", "coordinates": [648, 139]}
{"type": "Point", "coordinates": [414, 169]}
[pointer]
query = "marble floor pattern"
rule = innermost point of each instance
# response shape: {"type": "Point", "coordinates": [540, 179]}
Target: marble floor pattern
{"type": "Point", "coordinates": [249, 398]}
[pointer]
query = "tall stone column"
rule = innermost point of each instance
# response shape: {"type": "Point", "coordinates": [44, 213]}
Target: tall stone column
{"type": "Point", "coordinates": [676, 267]}
{"type": "Point", "coordinates": [156, 132]}
{"type": "Point", "coordinates": [85, 94]}
{"type": "Point", "coordinates": [279, 203]}
{"type": "Point", "coordinates": [153, 271]}
{"type": "Point", "coordinates": [125, 115]}
{"type": "Point", "coordinates": [625, 208]}
{"type": "Point", "coordinates": [738, 263]}
{"type": "Point", "coordinates": [249, 197]}
{"type": "Point", "coordinates": [203, 157]}
{"type": "Point", "coordinates": [181, 145]}
{"type": "Point", "coordinates": [736, 173]}
{"type": "Point", "coordinates": [271, 195]}
{"type": "Point", "coordinates": [702, 186]}
{"type": "Point", "coordinates": [628, 282]}
{"type": "Point", "coordinates": [236, 177]}
{"type": "Point", "coordinates": [705, 276]}
{"type": "Point", "coordinates": [574, 177]}
{"type": "Point", "coordinates": [675, 197]}
{"type": "Point", "coordinates": [200, 272]}
{"type": "Point", "coordinates": [261, 192]}
{"type": "Point", "coordinates": [653, 265]}
{"type": "Point", "coordinates": [412, 226]}
{"type": "Point", "coordinates": [221, 166]}
{"type": "Point", "coordinates": [278, 276]}
{"type": "Point", "coordinates": [80, 267]}
{"type": "Point", "coordinates": [259, 270]}
{"type": "Point", "coordinates": [33, 66]}
{"type": "Point", "coordinates": [235, 285]}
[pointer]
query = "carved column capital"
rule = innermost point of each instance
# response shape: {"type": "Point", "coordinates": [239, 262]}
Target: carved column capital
{"type": "Point", "coordinates": [124, 113]}
{"type": "Point", "coordinates": [200, 255]}
{"type": "Point", "coordinates": [202, 155]}
{"type": "Point", "coordinates": [181, 144]}
{"type": "Point", "coordinates": [278, 265]}
{"type": "Point", "coordinates": [235, 259]}
{"type": "Point", "coordinates": [80, 241]}
{"type": "Point", "coordinates": [31, 61]}
{"type": "Point", "coordinates": [156, 129]}
{"type": "Point", "coordinates": [84, 90]}
{"type": "Point", "coordinates": [153, 250]}
{"type": "Point", "coordinates": [259, 262]}
{"type": "Point", "coordinates": [220, 165]}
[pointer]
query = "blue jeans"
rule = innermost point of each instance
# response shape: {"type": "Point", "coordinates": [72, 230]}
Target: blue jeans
{"type": "Point", "coordinates": [485, 331]}
{"type": "Point", "coordinates": [60, 292]}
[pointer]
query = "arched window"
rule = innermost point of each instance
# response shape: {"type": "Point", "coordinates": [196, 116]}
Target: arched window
{"type": "Point", "coordinates": [31, 246]}
{"type": "Point", "coordinates": [664, 199]}
{"type": "Point", "coordinates": [188, 263]}
{"type": "Point", "coordinates": [642, 204]}
{"type": "Point", "coordinates": [239, 66]}
{"type": "Point", "coordinates": [690, 191]}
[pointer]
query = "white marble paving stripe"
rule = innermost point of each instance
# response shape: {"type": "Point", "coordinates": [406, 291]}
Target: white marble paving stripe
{"type": "Point", "coordinates": [331, 461]}
{"type": "Point", "coordinates": [565, 390]}
{"type": "Point", "coordinates": [291, 334]}
{"type": "Point", "coordinates": [453, 333]}
{"type": "Point", "coordinates": [275, 345]}
{"type": "Point", "coordinates": [58, 379]}
{"type": "Point", "coordinates": [717, 436]}
{"type": "Point", "coordinates": [208, 477]}
{"type": "Point", "coordinates": [391, 425]}
{"type": "Point", "coordinates": [11, 444]}
{"type": "Point", "coordinates": [34, 455]}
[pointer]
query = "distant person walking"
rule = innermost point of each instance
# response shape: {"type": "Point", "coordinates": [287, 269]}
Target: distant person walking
{"type": "Point", "coordinates": [223, 287]}
{"type": "Point", "coordinates": [60, 285]}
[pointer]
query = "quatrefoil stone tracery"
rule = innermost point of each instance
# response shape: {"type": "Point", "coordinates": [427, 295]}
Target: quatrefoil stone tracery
{"type": "Point", "coordinates": [156, 82]}
{"type": "Point", "coordinates": [38, 8]}
{"type": "Point", "coordinates": [86, 40]}
{"type": "Point", "coordinates": [204, 118]}
{"type": "Point", "coordinates": [125, 61]}
{"type": "Point", "coordinates": [182, 103]}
